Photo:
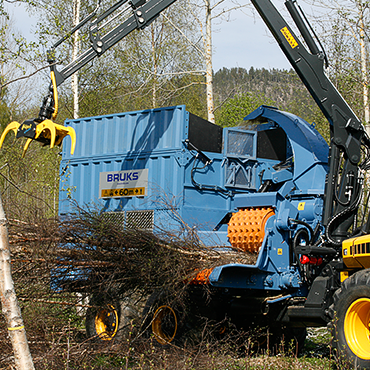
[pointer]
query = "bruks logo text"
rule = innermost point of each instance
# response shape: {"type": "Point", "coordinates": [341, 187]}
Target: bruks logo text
{"type": "Point", "coordinates": [126, 176]}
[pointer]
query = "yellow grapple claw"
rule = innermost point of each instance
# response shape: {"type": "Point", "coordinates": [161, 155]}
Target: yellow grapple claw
{"type": "Point", "coordinates": [13, 126]}
{"type": "Point", "coordinates": [48, 131]}
{"type": "Point", "coordinates": [55, 133]}
{"type": "Point", "coordinates": [62, 132]}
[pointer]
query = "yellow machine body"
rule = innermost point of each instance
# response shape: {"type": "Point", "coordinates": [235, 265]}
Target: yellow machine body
{"type": "Point", "coordinates": [356, 252]}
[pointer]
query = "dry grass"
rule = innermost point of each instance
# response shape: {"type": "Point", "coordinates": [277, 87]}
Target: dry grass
{"type": "Point", "coordinates": [65, 347]}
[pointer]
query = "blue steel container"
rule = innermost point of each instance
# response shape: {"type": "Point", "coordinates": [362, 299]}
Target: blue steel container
{"type": "Point", "coordinates": [166, 169]}
{"type": "Point", "coordinates": [153, 140]}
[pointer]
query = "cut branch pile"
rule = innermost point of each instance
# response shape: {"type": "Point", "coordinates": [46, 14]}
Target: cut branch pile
{"type": "Point", "coordinates": [88, 253]}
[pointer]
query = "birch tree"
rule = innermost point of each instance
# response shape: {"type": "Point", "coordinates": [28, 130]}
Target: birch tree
{"type": "Point", "coordinates": [149, 68]}
{"type": "Point", "coordinates": [206, 12]}
{"type": "Point", "coordinates": [363, 7]}
{"type": "Point", "coordinates": [355, 16]}
{"type": "Point", "coordinates": [163, 56]}
{"type": "Point", "coordinates": [9, 302]}
{"type": "Point", "coordinates": [208, 60]}
{"type": "Point", "coordinates": [75, 50]}
{"type": "Point", "coordinates": [14, 63]}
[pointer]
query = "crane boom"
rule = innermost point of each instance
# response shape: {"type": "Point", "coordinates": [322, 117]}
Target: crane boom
{"type": "Point", "coordinates": [347, 134]}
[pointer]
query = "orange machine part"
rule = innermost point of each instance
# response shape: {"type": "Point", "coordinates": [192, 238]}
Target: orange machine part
{"type": "Point", "coordinates": [201, 277]}
{"type": "Point", "coordinates": [247, 228]}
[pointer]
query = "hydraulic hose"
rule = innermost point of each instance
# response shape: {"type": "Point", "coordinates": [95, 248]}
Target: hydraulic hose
{"type": "Point", "coordinates": [341, 214]}
{"type": "Point", "coordinates": [299, 222]}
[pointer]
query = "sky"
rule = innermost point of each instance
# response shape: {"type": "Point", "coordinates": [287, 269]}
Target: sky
{"type": "Point", "coordinates": [244, 41]}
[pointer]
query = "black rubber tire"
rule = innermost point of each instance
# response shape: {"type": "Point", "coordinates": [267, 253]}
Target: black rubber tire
{"type": "Point", "coordinates": [345, 311]}
{"type": "Point", "coordinates": [126, 316]}
{"type": "Point", "coordinates": [103, 319]}
{"type": "Point", "coordinates": [161, 314]}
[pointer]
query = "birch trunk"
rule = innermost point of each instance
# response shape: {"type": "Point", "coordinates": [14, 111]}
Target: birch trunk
{"type": "Point", "coordinates": [155, 69]}
{"type": "Point", "coordinates": [208, 53]}
{"type": "Point", "coordinates": [9, 302]}
{"type": "Point", "coordinates": [364, 71]}
{"type": "Point", "coordinates": [75, 50]}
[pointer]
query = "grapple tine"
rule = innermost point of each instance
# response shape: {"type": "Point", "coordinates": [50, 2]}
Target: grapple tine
{"type": "Point", "coordinates": [72, 133]}
{"type": "Point", "coordinates": [25, 148]}
{"type": "Point", "coordinates": [44, 126]}
{"type": "Point", "coordinates": [62, 132]}
{"type": "Point", "coordinates": [13, 126]}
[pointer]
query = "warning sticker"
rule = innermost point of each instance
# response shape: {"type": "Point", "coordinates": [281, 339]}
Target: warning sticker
{"type": "Point", "coordinates": [301, 206]}
{"type": "Point", "coordinates": [289, 37]}
{"type": "Point", "coordinates": [118, 184]}
{"type": "Point", "coordinates": [123, 192]}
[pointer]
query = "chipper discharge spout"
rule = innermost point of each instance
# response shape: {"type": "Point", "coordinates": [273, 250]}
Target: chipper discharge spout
{"type": "Point", "coordinates": [43, 129]}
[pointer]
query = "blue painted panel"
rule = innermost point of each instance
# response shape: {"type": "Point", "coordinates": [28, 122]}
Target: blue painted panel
{"type": "Point", "coordinates": [82, 177]}
{"type": "Point", "coordinates": [152, 140]}
{"type": "Point", "coordinates": [122, 133]}
{"type": "Point", "coordinates": [269, 199]}
{"type": "Point", "coordinates": [310, 150]}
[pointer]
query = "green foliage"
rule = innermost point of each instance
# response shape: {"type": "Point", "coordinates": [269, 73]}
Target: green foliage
{"type": "Point", "coordinates": [4, 110]}
{"type": "Point", "coordinates": [235, 109]}
{"type": "Point", "coordinates": [342, 38]}
{"type": "Point", "coordinates": [115, 94]}
{"type": "Point", "coordinates": [190, 91]}
{"type": "Point", "coordinates": [30, 185]}
{"type": "Point", "coordinates": [4, 115]}
{"type": "Point", "coordinates": [280, 86]}
{"type": "Point", "coordinates": [245, 90]}
{"type": "Point", "coordinates": [146, 69]}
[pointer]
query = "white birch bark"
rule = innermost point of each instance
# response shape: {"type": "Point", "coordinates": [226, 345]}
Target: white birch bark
{"type": "Point", "coordinates": [155, 69]}
{"type": "Point", "coordinates": [9, 302]}
{"type": "Point", "coordinates": [208, 56]}
{"type": "Point", "coordinates": [364, 71]}
{"type": "Point", "coordinates": [75, 50]}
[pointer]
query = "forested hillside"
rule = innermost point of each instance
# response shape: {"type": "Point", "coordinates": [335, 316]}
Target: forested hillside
{"type": "Point", "coordinates": [240, 90]}
{"type": "Point", "coordinates": [281, 86]}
